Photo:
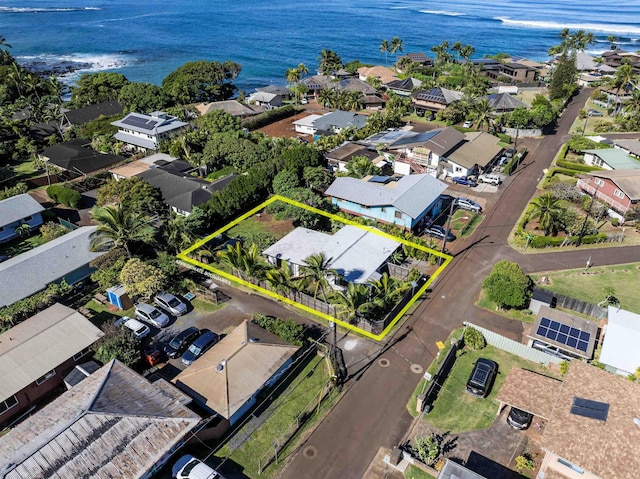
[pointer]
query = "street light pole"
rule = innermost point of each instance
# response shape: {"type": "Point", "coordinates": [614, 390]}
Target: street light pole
{"type": "Point", "coordinates": [446, 233]}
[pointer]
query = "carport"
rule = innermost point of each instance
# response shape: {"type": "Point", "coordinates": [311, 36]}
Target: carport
{"type": "Point", "coordinates": [530, 392]}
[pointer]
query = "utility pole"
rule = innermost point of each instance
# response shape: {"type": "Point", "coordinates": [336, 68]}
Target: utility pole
{"type": "Point", "coordinates": [448, 228]}
{"type": "Point", "coordinates": [586, 218]}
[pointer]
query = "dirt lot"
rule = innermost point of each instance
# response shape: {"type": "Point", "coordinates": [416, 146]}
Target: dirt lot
{"type": "Point", "coordinates": [285, 128]}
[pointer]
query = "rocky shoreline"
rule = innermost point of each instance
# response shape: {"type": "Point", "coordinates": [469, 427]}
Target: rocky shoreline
{"type": "Point", "coordinates": [56, 69]}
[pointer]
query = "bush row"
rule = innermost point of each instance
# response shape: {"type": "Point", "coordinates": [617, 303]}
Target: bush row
{"type": "Point", "coordinates": [544, 241]}
{"type": "Point", "coordinates": [515, 161]}
{"type": "Point", "coordinates": [63, 195]}
{"type": "Point", "coordinates": [267, 117]}
{"type": "Point", "coordinates": [571, 165]}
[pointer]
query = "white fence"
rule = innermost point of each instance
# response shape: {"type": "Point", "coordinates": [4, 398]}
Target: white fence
{"type": "Point", "coordinates": [514, 347]}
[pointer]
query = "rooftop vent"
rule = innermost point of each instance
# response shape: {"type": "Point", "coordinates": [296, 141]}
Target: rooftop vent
{"type": "Point", "coordinates": [253, 340]}
{"type": "Point", "coordinates": [220, 367]}
{"type": "Point", "coordinates": [591, 409]}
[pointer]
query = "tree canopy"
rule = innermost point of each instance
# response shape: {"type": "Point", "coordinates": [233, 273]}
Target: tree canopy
{"type": "Point", "coordinates": [142, 97]}
{"type": "Point", "coordinates": [98, 87]}
{"type": "Point", "coordinates": [507, 285]}
{"type": "Point", "coordinates": [132, 194]}
{"type": "Point", "coordinates": [201, 81]}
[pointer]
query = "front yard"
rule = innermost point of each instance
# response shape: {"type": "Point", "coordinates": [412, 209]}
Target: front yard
{"type": "Point", "coordinates": [464, 222]}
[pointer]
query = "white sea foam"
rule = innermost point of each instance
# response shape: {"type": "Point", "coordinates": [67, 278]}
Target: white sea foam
{"type": "Point", "coordinates": [44, 9]}
{"type": "Point", "coordinates": [443, 12]}
{"type": "Point", "coordinates": [594, 27]}
{"type": "Point", "coordinates": [95, 63]}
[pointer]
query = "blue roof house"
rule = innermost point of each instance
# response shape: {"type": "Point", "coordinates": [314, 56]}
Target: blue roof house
{"type": "Point", "coordinates": [16, 211]}
{"type": "Point", "coordinates": [409, 202]}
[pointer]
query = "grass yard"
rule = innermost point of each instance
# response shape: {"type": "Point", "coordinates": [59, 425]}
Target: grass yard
{"type": "Point", "coordinates": [527, 95]}
{"type": "Point", "coordinates": [518, 314]}
{"type": "Point", "coordinates": [412, 472]}
{"type": "Point", "coordinates": [457, 411]}
{"type": "Point", "coordinates": [464, 222]}
{"type": "Point", "coordinates": [204, 306]}
{"type": "Point", "coordinates": [263, 224]}
{"type": "Point", "coordinates": [624, 280]}
{"type": "Point", "coordinates": [299, 395]}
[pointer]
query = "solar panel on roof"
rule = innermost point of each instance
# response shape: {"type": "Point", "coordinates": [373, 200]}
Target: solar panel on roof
{"type": "Point", "coordinates": [591, 409]}
{"type": "Point", "coordinates": [138, 122]}
{"type": "Point", "coordinates": [564, 334]}
{"type": "Point", "coordinates": [379, 179]}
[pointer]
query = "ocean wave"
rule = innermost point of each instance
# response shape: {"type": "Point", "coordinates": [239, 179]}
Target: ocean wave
{"type": "Point", "coordinates": [596, 27]}
{"type": "Point", "coordinates": [45, 9]}
{"type": "Point", "coordinates": [77, 63]}
{"type": "Point", "coordinates": [443, 12]}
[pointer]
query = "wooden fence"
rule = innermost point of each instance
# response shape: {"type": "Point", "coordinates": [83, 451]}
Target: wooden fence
{"type": "Point", "coordinates": [590, 309]}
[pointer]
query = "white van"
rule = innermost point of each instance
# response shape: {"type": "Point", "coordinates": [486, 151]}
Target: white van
{"type": "Point", "coordinates": [188, 467]}
{"type": "Point", "coordinates": [140, 330]}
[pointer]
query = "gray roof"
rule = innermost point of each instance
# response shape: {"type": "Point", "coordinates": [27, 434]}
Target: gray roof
{"type": "Point", "coordinates": [407, 84]}
{"type": "Point", "coordinates": [620, 344]}
{"type": "Point", "coordinates": [445, 141]}
{"type": "Point", "coordinates": [355, 84]}
{"type": "Point", "coordinates": [479, 148]}
{"type": "Point", "coordinates": [504, 102]}
{"type": "Point", "coordinates": [277, 89]}
{"type": "Point", "coordinates": [340, 119]}
{"type": "Point", "coordinates": [355, 253]}
{"type": "Point", "coordinates": [41, 343]}
{"type": "Point", "coordinates": [17, 207]}
{"type": "Point", "coordinates": [628, 144]}
{"type": "Point", "coordinates": [83, 115]}
{"type": "Point", "coordinates": [585, 62]}
{"type": "Point", "coordinates": [115, 423]}
{"type": "Point", "coordinates": [233, 107]}
{"type": "Point", "coordinates": [438, 95]}
{"type": "Point", "coordinates": [135, 140]}
{"type": "Point", "coordinates": [413, 139]}
{"type": "Point", "coordinates": [412, 194]}
{"type": "Point", "coordinates": [45, 264]}
{"type": "Point", "coordinates": [156, 123]}
{"type": "Point", "coordinates": [78, 156]}
{"type": "Point", "coordinates": [262, 96]}
{"type": "Point", "coordinates": [453, 470]}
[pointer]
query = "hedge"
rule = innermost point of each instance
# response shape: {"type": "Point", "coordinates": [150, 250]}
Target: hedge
{"type": "Point", "coordinates": [563, 171]}
{"type": "Point", "coordinates": [63, 195]}
{"type": "Point", "coordinates": [571, 165]}
{"type": "Point", "coordinates": [543, 241]}
{"type": "Point", "coordinates": [268, 117]}
{"type": "Point", "coordinates": [515, 161]}
{"type": "Point", "coordinates": [504, 138]}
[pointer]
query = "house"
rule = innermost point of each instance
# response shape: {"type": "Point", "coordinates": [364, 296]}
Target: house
{"type": "Point", "coordinates": [145, 132]}
{"type": "Point", "coordinates": [115, 423]}
{"type": "Point", "coordinates": [510, 72]}
{"type": "Point", "coordinates": [384, 74]}
{"type": "Point", "coordinates": [80, 116]}
{"type": "Point", "coordinates": [504, 102]}
{"type": "Point", "coordinates": [78, 158]}
{"type": "Point", "coordinates": [631, 146]}
{"type": "Point", "coordinates": [65, 258]}
{"type": "Point", "coordinates": [338, 158]}
{"type": "Point", "coordinates": [620, 353]}
{"type": "Point", "coordinates": [35, 356]}
{"type": "Point", "coordinates": [418, 57]}
{"type": "Point", "coordinates": [620, 189]}
{"type": "Point", "coordinates": [280, 90]}
{"type": "Point", "coordinates": [373, 102]}
{"type": "Point", "coordinates": [305, 125]}
{"type": "Point", "coordinates": [453, 470]}
{"type": "Point", "coordinates": [16, 211]}
{"type": "Point", "coordinates": [615, 58]}
{"type": "Point", "coordinates": [227, 379]}
{"type": "Point", "coordinates": [356, 254]}
{"type": "Point", "coordinates": [357, 85]}
{"type": "Point", "coordinates": [264, 99]}
{"type": "Point", "coordinates": [434, 100]}
{"type": "Point", "coordinates": [563, 334]}
{"type": "Point", "coordinates": [233, 107]}
{"type": "Point", "coordinates": [404, 87]}
{"type": "Point", "coordinates": [473, 155]}
{"type": "Point", "coordinates": [338, 120]}
{"type": "Point", "coordinates": [156, 160]}
{"type": "Point", "coordinates": [317, 83]}
{"type": "Point", "coordinates": [611, 159]}
{"type": "Point", "coordinates": [524, 61]}
{"type": "Point", "coordinates": [409, 202]}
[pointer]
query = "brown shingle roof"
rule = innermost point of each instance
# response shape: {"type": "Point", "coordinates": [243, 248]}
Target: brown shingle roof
{"type": "Point", "coordinates": [350, 149]}
{"type": "Point", "coordinates": [445, 141]}
{"type": "Point", "coordinates": [605, 448]}
{"type": "Point", "coordinates": [529, 391]}
{"type": "Point", "coordinates": [479, 148]}
{"type": "Point", "coordinates": [626, 180]}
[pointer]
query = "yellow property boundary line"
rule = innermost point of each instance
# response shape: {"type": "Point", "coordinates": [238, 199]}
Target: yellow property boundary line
{"type": "Point", "coordinates": [378, 337]}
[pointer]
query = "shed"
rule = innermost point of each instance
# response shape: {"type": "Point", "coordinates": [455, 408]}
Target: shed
{"type": "Point", "coordinates": [117, 295]}
{"type": "Point", "coordinates": [541, 297]}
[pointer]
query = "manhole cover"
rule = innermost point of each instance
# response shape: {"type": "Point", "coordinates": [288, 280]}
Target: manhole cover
{"type": "Point", "coordinates": [416, 368]}
{"type": "Point", "coordinates": [310, 452]}
{"type": "Point", "coordinates": [349, 345]}
{"type": "Point", "coordinates": [384, 362]}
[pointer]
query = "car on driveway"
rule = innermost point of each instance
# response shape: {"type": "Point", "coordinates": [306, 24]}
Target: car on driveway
{"type": "Point", "coordinates": [170, 304]}
{"type": "Point", "coordinates": [200, 346]}
{"type": "Point", "coordinates": [467, 204]}
{"type": "Point", "coordinates": [467, 124]}
{"type": "Point", "coordinates": [519, 419]}
{"type": "Point", "coordinates": [463, 180]}
{"type": "Point", "coordinates": [152, 315]}
{"type": "Point", "coordinates": [138, 329]}
{"type": "Point", "coordinates": [489, 178]}
{"type": "Point", "coordinates": [482, 376]}
{"type": "Point", "coordinates": [593, 112]}
{"type": "Point", "coordinates": [181, 341]}
{"type": "Point", "coordinates": [188, 467]}
{"type": "Point", "coordinates": [440, 233]}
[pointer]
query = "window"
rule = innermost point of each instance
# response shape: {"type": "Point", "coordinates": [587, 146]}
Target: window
{"type": "Point", "coordinates": [46, 377]}
{"type": "Point", "coordinates": [27, 218]}
{"type": "Point", "coordinates": [365, 207]}
{"type": "Point", "coordinates": [8, 404]}
{"type": "Point", "coordinates": [82, 353]}
{"type": "Point", "coordinates": [598, 182]}
{"type": "Point", "coordinates": [398, 214]}
{"type": "Point", "coordinates": [570, 466]}
{"type": "Point", "coordinates": [619, 193]}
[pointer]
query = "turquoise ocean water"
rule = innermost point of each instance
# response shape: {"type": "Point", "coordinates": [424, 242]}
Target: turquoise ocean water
{"type": "Point", "coordinates": [146, 39]}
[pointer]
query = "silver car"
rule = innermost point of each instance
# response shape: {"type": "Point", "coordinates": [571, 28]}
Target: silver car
{"type": "Point", "coordinates": [170, 303]}
{"type": "Point", "coordinates": [150, 314]}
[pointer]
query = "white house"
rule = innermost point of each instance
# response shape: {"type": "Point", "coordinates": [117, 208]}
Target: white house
{"type": "Point", "coordinates": [16, 211]}
{"type": "Point", "coordinates": [145, 132]}
{"type": "Point", "coordinates": [611, 159]}
{"type": "Point", "coordinates": [620, 353]}
{"type": "Point", "coordinates": [305, 125]}
{"type": "Point", "coordinates": [265, 99]}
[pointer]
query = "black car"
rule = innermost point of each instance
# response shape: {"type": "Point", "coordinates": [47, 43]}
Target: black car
{"type": "Point", "coordinates": [181, 341]}
{"type": "Point", "coordinates": [481, 378]}
{"type": "Point", "coordinates": [519, 419]}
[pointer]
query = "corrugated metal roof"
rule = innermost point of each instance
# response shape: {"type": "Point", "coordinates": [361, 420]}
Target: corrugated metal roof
{"type": "Point", "coordinates": [340, 119]}
{"type": "Point", "coordinates": [135, 140]}
{"type": "Point", "coordinates": [17, 207]}
{"type": "Point", "coordinates": [616, 158]}
{"type": "Point", "coordinates": [620, 344]}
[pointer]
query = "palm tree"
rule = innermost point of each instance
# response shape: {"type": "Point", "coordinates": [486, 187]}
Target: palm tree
{"type": "Point", "coordinates": [387, 291]}
{"type": "Point", "coordinates": [397, 45]}
{"type": "Point", "coordinates": [467, 51]}
{"type": "Point", "coordinates": [353, 303]}
{"type": "Point", "coordinates": [175, 234]}
{"type": "Point", "coordinates": [3, 42]}
{"type": "Point", "coordinates": [119, 227]}
{"type": "Point", "coordinates": [612, 39]}
{"type": "Point", "coordinates": [442, 52]}
{"type": "Point", "coordinates": [17, 77]}
{"type": "Point", "coordinates": [623, 76]}
{"type": "Point", "coordinates": [385, 47]}
{"type": "Point", "coordinates": [353, 100]}
{"type": "Point", "coordinates": [315, 270]}
{"type": "Point", "coordinates": [327, 97]}
{"type": "Point", "coordinates": [361, 166]}
{"type": "Point", "coordinates": [233, 257]}
{"type": "Point", "coordinates": [482, 112]}
{"type": "Point", "coordinates": [252, 263]}
{"type": "Point", "coordinates": [632, 105]}
{"type": "Point", "coordinates": [547, 208]}
{"type": "Point", "coordinates": [329, 61]}
{"type": "Point", "coordinates": [281, 279]}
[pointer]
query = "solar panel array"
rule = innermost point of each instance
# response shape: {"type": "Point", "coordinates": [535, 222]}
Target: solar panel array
{"type": "Point", "coordinates": [591, 409]}
{"type": "Point", "coordinates": [140, 122]}
{"type": "Point", "coordinates": [433, 95]}
{"type": "Point", "coordinates": [379, 179]}
{"type": "Point", "coordinates": [564, 334]}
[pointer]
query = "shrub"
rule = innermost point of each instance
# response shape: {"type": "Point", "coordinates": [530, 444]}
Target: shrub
{"type": "Point", "coordinates": [17, 189]}
{"type": "Point", "coordinates": [474, 338]}
{"type": "Point", "coordinates": [286, 329]}
{"type": "Point", "coordinates": [64, 196]}
{"type": "Point", "coordinates": [507, 285]}
{"type": "Point", "coordinates": [117, 343]}
{"type": "Point", "coordinates": [428, 449]}
{"type": "Point", "coordinates": [51, 230]}
{"type": "Point", "coordinates": [615, 221]}
{"type": "Point", "coordinates": [268, 117]}
{"type": "Point", "coordinates": [572, 165]}
{"type": "Point", "coordinates": [504, 138]}
{"type": "Point", "coordinates": [564, 367]}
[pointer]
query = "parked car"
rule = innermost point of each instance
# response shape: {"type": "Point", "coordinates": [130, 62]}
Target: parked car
{"type": "Point", "coordinates": [170, 304]}
{"type": "Point", "coordinates": [150, 314]}
{"type": "Point", "coordinates": [467, 124]}
{"type": "Point", "coordinates": [199, 347]}
{"type": "Point", "coordinates": [181, 341]}
{"type": "Point", "coordinates": [593, 112]}
{"type": "Point", "coordinates": [188, 467]}
{"type": "Point", "coordinates": [490, 178]}
{"type": "Point", "coordinates": [463, 180]}
{"type": "Point", "coordinates": [509, 152]}
{"type": "Point", "coordinates": [152, 355]}
{"type": "Point", "coordinates": [138, 329]}
{"type": "Point", "coordinates": [481, 378]}
{"type": "Point", "coordinates": [440, 233]}
{"type": "Point", "coordinates": [519, 419]}
{"type": "Point", "coordinates": [467, 204]}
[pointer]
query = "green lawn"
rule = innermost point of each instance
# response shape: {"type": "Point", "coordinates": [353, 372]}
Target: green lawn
{"type": "Point", "coordinates": [457, 411]}
{"type": "Point", "coordinates": [519, 315]}
{"type": "Point", "coordinates": [264, 224]}
{"type": "Point", "coordinates": [624, 280]}
{"type": "Point", "coordinates": [298, 396]}
{"type": "Point", "coordinates": [464, 222]}
{"type": "Point", "coordinates": [204, 306]}
{"type": "Point", "coordinates": [412, 472]}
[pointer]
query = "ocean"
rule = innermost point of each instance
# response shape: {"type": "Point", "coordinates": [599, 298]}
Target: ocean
{"type": "Point", "coordinates": [147, 39]}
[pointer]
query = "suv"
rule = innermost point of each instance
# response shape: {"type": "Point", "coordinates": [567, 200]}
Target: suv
{"type": "Point", "coordinates": [467, 204]}
{"type": "Point", "coordinates": [180, 341]}
{"type": "Point", "coordinates": [519, 419]}
{"type": "Point", "coordinates": [170, 304]}
{"type": "Point", "coordinates": [188, 467]}
{"type": "Point", "coordinates": [150, 314]}
{"type": "Point", "coordinates": [463, 180]}
{"type": "Point", "coordinates": [481, 378]}
{"type": "Point", "coordinates": [491, 179]}
{"type": "Point", "coordinates": [199, 347]}
{"type": "Point", "coordinates": [139, 330]}
{"type": "Point", "coordinates": [440, 233]}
